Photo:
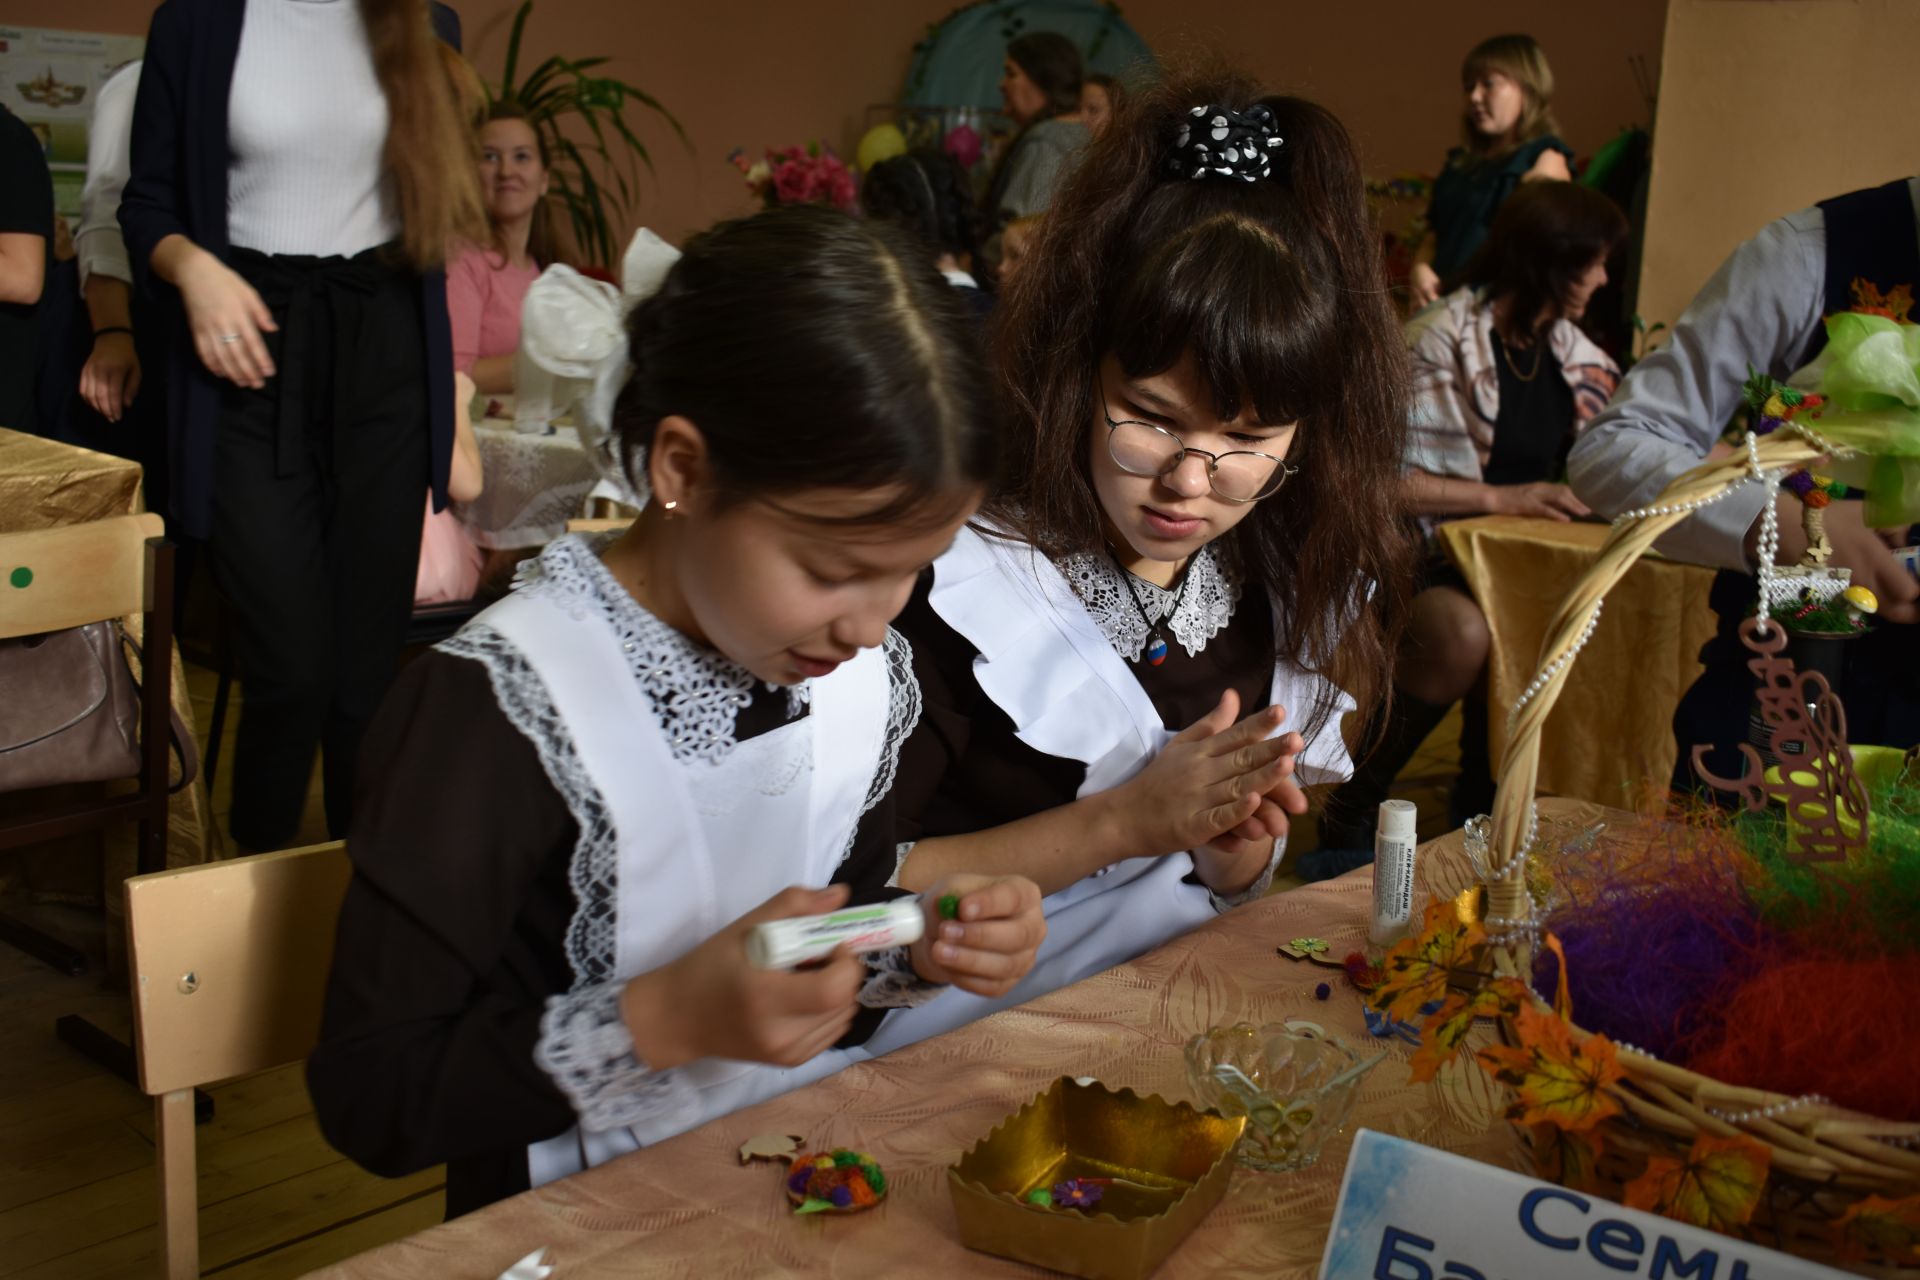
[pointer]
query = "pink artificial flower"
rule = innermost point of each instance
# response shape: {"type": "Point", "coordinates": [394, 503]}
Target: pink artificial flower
{"type": "Point", "coordinates": [841, 190]}
{"type": "Point", "coordinates": [795, 182]}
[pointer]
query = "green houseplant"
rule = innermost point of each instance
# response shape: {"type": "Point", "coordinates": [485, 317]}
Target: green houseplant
{"type": "Point", "coordinates": [595, 165]}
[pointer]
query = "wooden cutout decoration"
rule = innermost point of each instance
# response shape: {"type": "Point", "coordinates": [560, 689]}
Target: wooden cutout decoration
{"type": "Point", "coordinates": [1313, 949]}
{"type": "Point", "coordinates": [771, 1146]}
{"type": "Point", "coordinates": [1808, 735]}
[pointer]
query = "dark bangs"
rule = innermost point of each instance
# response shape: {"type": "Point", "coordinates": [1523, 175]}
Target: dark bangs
{"type": "Point", "coordinates": [1257, 319]}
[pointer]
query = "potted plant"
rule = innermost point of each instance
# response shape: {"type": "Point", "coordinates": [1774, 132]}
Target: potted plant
{"type": "Point", "coordinates": [595, 166]}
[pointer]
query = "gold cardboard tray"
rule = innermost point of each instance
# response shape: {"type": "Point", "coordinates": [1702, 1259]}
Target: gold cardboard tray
{"type": "Point", "coordinates": [1076, 1131]}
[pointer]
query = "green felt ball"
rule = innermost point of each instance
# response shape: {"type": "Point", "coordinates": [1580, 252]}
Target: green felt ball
{"type": "Point", "coordinates": [21, 577]}
{"type": "Point", "coordinates": [950, 907]}
{"type": "Point", "coordinates": [1040, 1196]}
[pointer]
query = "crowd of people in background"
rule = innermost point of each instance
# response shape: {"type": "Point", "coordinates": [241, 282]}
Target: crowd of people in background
{"type": "Point", "coordinates": [1081, 501]}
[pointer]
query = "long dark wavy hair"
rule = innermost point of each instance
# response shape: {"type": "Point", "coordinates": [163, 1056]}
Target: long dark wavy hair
{"type": "Point", "coordinates": [1277, 291]}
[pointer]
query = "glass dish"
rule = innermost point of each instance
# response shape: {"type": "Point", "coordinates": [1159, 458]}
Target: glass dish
{"type": "Point", "coordinates": [1294, 1083]}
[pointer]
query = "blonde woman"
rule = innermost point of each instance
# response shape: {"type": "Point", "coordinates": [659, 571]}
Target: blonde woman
{"type": "Point", "coordinates": [1508, 136]}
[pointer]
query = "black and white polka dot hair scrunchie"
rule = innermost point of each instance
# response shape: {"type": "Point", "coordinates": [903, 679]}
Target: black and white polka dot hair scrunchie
{"type": "Point", "coordinates": [1218, 142]}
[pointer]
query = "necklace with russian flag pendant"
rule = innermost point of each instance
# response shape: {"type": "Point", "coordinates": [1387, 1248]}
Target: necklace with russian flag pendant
{"type": "Point", "coordinates": [1156, 650]}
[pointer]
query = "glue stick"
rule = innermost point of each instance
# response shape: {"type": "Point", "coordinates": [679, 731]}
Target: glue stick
{"type": "Point", "coordinates": [1393, 844]}
{"type": "Point", "coordinates": [785, 944]}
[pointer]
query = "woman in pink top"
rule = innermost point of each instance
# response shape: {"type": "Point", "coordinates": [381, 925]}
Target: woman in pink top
{"type": "Point", "coordinates": [485, 286]}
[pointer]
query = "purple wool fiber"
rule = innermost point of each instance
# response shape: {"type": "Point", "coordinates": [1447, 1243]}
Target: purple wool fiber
{"type": "Point", "coordinates": [1652, 969]}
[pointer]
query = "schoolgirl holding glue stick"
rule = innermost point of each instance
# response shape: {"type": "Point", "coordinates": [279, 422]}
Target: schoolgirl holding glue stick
{"type": "Point", "coordinates": [576, 812]}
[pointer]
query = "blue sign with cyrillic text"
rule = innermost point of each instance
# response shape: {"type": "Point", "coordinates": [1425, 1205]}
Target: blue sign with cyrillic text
{"type": "Point", "coordinates": [1409, 1212]}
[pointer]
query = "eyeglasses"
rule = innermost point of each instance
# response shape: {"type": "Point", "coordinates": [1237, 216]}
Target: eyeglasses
{"type": "Point", "coordinates": [1142, 449]}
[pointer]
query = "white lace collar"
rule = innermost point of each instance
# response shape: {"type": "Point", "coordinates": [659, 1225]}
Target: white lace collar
{"type": "Point", "coordinates": [698, 693]}
{"type": "Point", "coordinates": [1104, 589]}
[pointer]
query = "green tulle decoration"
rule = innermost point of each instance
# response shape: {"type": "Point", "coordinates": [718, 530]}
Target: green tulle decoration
{"type": "Point", "coordinates": [1873, 901]}
{"type": "Point", "coordinates": [1869, 375]}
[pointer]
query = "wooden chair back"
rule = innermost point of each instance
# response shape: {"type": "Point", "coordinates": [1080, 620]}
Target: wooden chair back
{"type": "Point", "coordinates": [229, 966]}
{"type": "Point", "coordinates": [53, 579]}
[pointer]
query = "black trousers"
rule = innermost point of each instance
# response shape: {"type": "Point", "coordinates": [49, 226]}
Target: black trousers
{"type": "Point", "coordinates": [318, 480]}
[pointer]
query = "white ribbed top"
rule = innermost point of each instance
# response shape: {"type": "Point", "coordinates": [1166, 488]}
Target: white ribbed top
{"type": "Point", "coordinates": [307, 126]}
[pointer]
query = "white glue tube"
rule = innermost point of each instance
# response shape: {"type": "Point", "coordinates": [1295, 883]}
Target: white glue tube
{"type": "Point", "coordinates": [1393, 845]}
{"type": "Point", "coordinates": [786, 944]}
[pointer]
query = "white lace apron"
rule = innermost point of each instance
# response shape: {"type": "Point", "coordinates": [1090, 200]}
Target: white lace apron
{"type": "Point", "coordinates": [682, 829]}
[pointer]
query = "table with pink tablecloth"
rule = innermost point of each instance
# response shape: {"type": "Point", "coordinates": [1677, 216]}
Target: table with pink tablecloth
{"type": "Point", "coordinates": [688, 1207]}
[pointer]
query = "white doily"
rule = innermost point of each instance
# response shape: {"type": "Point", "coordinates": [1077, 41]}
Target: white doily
{"type": "Point", "coordinates": [1114, 599]}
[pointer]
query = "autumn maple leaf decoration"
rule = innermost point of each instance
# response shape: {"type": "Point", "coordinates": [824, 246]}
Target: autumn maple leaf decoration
{"type": "Point", "coordinates": [1418, 968]}
{"type": "Point", "coordinates": [1555, 1080]}
{"type": "Point", "coordinates": [1717, 1186]}
{"type": "Point", "coordinates": [1877, 1225]}
{"type": "Point", "coordinates": [1894, 304]}
{"type": "Point", "coordinates": [1446, 1028]}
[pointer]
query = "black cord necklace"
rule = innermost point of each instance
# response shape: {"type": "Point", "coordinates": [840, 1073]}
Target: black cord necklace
{"type": "Point", "coordinates": [1156, 650]}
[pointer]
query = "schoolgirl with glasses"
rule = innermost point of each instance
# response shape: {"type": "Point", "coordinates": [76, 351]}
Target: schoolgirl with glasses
{"type": "Point", "coordinates": [1142, 649]}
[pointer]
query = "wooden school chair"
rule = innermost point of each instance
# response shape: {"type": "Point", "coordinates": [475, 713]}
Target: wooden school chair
{"type": "Point", "coordinates": [229, 964]}
{"type": "Point", "coordinates": [69, 576]}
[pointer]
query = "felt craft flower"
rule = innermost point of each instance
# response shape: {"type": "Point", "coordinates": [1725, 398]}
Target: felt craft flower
{"type": "Point", "coordinates": [839, 1181]}
{"type": "Point", "coordinates": [1077, 1193]}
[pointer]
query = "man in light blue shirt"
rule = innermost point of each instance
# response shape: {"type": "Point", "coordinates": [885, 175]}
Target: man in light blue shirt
{"type": "Point", "coordinates": [1764, 308]}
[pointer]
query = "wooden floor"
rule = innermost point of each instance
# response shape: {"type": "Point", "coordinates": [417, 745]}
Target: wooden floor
{"type": "Point", "coordinates": [76, 1145]}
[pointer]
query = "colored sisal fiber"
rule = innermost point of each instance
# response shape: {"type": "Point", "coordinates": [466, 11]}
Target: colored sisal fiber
{"type": "Point", "coordinates": [1836, 1026]}
{"type": "Point", "coordinates": [1652, 967]}
{"type": "Point", "coordinates": [1880, 894]}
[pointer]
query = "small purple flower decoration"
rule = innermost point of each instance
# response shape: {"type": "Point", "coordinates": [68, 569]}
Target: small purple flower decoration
{"type": "Point", "coordinates": [841, 1196]}
{"type": "Point", "coordinates": [797, 1181]}
{"type": "Point", "coordinates": [1077, 1193]}
{"type": "Point", "coordinates": [1801, 482]}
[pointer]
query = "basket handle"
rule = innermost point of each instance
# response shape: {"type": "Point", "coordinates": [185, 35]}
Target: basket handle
{"type": "Point", "coordinates": [1632, 534]}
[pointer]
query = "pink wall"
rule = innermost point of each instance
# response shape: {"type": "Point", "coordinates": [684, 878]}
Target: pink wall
{"type": "Point", "coordinates": [777, 72]}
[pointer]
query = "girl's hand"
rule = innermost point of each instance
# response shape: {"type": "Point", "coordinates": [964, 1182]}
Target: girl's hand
{"type": "Point", "coordinates": [1423, 285]}
{"type": "Point", "coordinates": [1231, 863]}
{"type": "Point", "coordinates": [1210, 779]}
{"type": "Point", "coordinates": [227, 318]}
{"type": "Point", "coordinates": [711, 1003]}
{"type": "Point", "coordinates": [111, 377]}
{"type": "Point", "coordinates": [1543, 499]}
{"type": "Point", "coordinates": [992, 945]}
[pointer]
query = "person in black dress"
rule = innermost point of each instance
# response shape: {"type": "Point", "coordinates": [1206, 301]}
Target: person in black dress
{"type": "Point", "coordinates": [1503, 381]}
{"type": "Point", "coordinates": [571, 813]}
{"type": "Point", "coordinates": [1508, 137]}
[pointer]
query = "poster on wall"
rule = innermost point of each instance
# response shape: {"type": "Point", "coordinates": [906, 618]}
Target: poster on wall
{"type": "Point", "coordinates": [48, 79]}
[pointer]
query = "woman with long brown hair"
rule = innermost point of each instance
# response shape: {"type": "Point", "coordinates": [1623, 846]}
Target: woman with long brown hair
{"type": "Point", "coordinates": [299, 169]}
{"type": "Point", "coordinates": [1147, 640]}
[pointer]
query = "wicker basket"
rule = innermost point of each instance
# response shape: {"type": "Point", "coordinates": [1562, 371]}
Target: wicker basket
{"type": "Point", "coordinates": [1824, 1158]}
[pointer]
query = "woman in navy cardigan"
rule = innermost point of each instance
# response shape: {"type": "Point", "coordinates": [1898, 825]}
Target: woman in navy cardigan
{"type": "Point", "coordinates": [298, 168]}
